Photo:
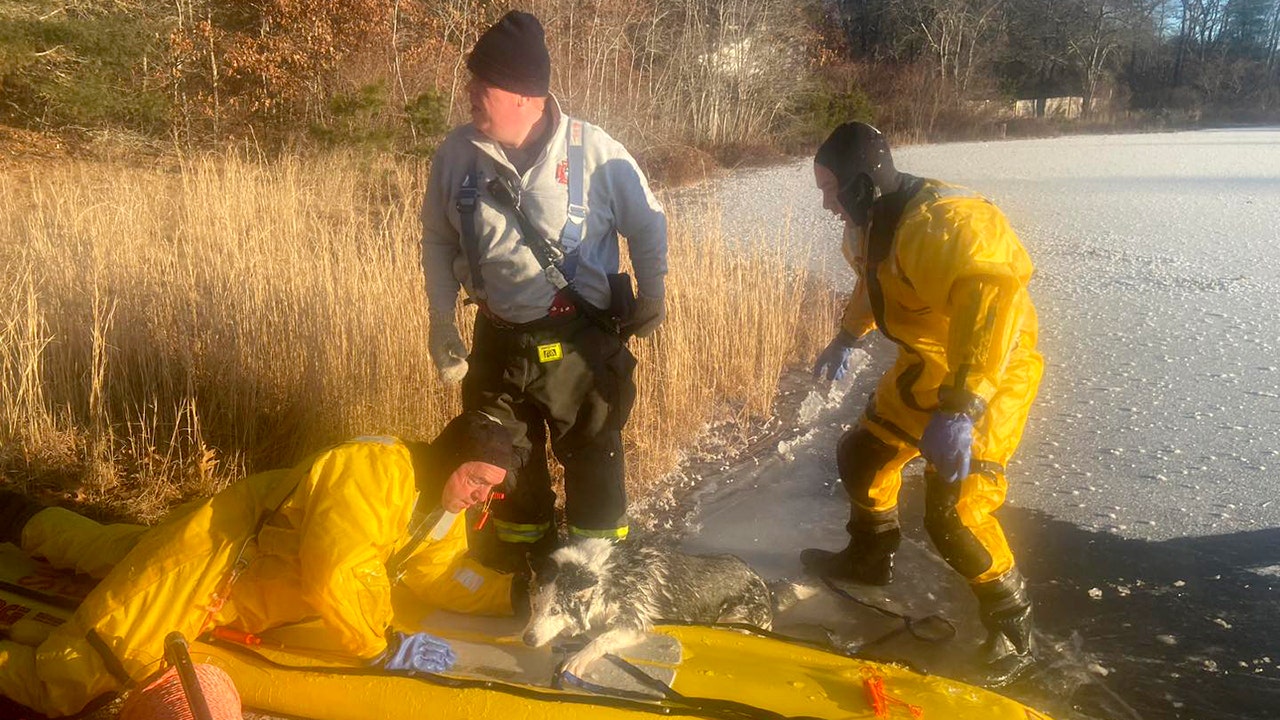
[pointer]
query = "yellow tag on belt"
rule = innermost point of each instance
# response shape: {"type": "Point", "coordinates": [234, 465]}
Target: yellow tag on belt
{"type": "Point", "coordinates": [550, 353]}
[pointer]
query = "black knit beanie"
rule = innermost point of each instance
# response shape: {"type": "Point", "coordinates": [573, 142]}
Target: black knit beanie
{"type": "Point", "coordinates": [855, 149]}
{"type": "Point", "coordinates": [474, 436]}
{"type": "Point", "coordinates": [512, 55]}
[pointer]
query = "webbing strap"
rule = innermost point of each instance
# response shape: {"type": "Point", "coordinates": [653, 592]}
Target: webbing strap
{"type": "Point", "coordinates": [434, 524]}
{"type": "Point", "coordinates": [576, 220]}
{"type": "Point", "coordinates": [547, 255]}
{"type": "Point", "coordinates": [273, 501]}
{"type": "Point", "coordinates": [114, 666]}
{"type": "Point", "coordinates": [468, 197]}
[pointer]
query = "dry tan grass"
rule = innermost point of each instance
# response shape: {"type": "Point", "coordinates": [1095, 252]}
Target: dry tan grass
{"type": "Point", "coordinates": [164, 331]}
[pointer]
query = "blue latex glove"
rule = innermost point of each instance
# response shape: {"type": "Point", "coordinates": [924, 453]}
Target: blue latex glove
{"type": "Point", "coordinates": [419, 652]}
{"type": "Point", "coordinates": [947, 444]}
{"type": "Point", "coordinates": [833, 362]}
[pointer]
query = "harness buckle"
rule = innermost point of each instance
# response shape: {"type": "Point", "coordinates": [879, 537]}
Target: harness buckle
{"type": "Point", "coordinates": [466, 202]}
{"type": "Point", "coordinates": [556, 277]}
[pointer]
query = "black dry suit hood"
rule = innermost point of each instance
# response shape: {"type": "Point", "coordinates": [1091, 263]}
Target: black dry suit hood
{"type": "Point", "coordinates": [472, 436]}
{"type": "Point", "coordinates": [858, 155]}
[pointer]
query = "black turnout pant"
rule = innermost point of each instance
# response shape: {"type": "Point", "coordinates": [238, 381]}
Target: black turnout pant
{"type": "Point", "coordinates": [570, 381]}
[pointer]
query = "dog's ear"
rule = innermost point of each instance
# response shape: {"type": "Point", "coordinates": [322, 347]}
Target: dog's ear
{"type": "Point", "coordinates": [544, 569]}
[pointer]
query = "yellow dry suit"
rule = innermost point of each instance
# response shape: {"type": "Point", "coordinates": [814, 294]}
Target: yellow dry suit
{"type": "Point", "coordinates": [311, 542]}
{"type": "Point", "coordinates": [948, 284]}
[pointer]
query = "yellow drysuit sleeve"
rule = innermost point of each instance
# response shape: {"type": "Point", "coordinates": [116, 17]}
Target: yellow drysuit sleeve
{"type": "Point", "coordinates": [858, 318]}
{"type": "Point", "coordinates": [361, 497]}
{"type": "Point", "coordinates": [965, 261]}
{"type": "Point", "coordinates": [442, 575]}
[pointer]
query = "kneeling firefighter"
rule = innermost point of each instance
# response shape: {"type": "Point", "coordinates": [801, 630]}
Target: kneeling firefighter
{"type": "Point", "coordinates": [941, 274]}
{"type": "Point", "coordinates": [327, 538]}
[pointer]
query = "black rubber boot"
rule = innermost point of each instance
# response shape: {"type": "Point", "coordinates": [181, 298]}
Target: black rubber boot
{"type": "Point", "coordinates": [868, 558]}
{"type": "Point", "coordinates": [1009, 651]}
{"type": "Point", "coordinates": [507, 557]}
{"type": "Point", "coordinates": [15, 511]}
{"type": "Point", "coordinates": [849, 564]}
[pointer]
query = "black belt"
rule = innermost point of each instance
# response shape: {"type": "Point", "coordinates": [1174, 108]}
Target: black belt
{"type": "Point", "coordinates": [548, 322]}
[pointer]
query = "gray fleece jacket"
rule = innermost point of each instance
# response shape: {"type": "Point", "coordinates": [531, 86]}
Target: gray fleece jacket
{"type": "Point", "coordinates": [515, 289]}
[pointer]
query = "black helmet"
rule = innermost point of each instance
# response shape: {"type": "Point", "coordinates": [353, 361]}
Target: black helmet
{"type": "Point", "coordinates": [858, 155]}
{"type": "Point", "coordinates": [474, 435]}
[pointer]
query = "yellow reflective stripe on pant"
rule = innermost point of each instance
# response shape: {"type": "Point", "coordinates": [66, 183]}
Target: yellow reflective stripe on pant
{"type": "Point", "coordinates": [520, 532]}
{"type": "Point", "coordinates": [617, 533]}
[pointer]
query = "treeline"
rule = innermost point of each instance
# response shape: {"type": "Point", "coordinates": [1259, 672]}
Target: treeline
{"type": "Point", "coordinates": [1181, 61]}
{"type": "Point", "coordinates": [723, 76]}
{"type": "Point", "coordinates": [661, 74]}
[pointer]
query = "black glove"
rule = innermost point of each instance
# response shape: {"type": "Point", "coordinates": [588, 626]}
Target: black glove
{"type": "Point", "coordinates": [646, 315]}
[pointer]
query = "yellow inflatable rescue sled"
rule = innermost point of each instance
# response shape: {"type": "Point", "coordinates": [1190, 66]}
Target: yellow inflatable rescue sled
{"type": "Point", "coordinates": [680, 671]}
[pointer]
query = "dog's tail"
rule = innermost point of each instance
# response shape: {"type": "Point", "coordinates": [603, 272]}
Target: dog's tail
{"type": "Point", "coordinates": [786, 593]}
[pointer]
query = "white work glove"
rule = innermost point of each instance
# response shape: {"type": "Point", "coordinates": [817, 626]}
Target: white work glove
{"type": "Point", "coordinates": [446, 348]}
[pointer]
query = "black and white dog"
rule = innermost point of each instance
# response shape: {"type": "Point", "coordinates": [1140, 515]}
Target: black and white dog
{"type": "Point", "coordinates": [624, 589]}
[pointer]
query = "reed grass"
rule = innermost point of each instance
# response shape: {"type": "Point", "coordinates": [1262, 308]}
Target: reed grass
{"type": "Point", "coordinates": [165, 330]}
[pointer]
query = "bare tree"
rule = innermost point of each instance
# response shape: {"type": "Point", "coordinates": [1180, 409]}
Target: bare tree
{"type": "Point", "coordinates": [960, 34]}
{"type": "Point", "coordinates": [1094, 38]}
{"type": "Point", "coordinates": [1273, 37]}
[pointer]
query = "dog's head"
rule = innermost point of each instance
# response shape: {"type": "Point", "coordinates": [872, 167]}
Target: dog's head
{"type": "Point", "coordinates": [566, 592]}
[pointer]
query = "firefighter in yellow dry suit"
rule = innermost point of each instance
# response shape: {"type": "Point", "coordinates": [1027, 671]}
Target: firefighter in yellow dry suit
{"type": "Point", "coordinates": [327, 538]}
{"type": "Point", "coordinates": [941, 274]}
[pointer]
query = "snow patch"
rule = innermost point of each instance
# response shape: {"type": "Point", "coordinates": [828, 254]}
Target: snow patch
{"type": "Point", "coordinates": [786, 447]}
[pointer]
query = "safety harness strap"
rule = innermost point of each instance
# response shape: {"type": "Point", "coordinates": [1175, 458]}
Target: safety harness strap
{"type": "Point", "coordinates": [547, 255]}
{"type": "Point", "coordinates": [576, 219]}
{"type": "Point", "coordinates": [468, 197]}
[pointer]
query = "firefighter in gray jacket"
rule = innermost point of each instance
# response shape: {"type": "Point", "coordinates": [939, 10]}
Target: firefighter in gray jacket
{"type": "Point", "coordinates": [540, 362]}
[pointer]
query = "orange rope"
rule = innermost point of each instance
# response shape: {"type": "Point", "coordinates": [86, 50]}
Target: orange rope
{"type": "Point", "coordinates": [164, 699]}
{"type": "Point", "coordinates": [881, 701]}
